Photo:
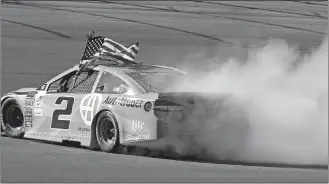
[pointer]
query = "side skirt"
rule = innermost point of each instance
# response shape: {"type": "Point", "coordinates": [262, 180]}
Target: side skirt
{"type": "Point", "coordinates": [85, 141]}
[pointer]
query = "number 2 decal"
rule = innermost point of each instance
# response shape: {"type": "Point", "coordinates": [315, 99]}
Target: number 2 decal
{"type": "Point", "coordinates": [56, 122]}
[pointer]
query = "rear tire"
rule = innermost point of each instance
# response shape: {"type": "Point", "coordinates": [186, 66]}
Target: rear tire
{"type": "Point", "coordinates": [13, 119]}
{"type": "Point", "coordinates": [2, 126]}
{"type": "Point", "coordinates": [107, 133]}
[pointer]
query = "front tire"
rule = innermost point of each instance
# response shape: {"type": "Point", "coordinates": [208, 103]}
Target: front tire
{"type": "Point", "coordinates": [13, 119]}
{"type": "Point", "coordinates": [107, 132]}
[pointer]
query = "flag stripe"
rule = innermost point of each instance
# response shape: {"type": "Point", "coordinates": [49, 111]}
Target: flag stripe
{"type": "Point", "coordinates": [109, 47]}
{"type": "Point", "coordinates": [119, 54]}
{"type": "Point", "coordinates": [116, 44]}
{"type": "Point", "coordinates": [131, 56]}
{"type": "Point", "coordinates": [120, 47]}
{"type": "Point", "coordinates": [120, 58]}
{"type": "Point", "coordinates": [111, 58]}
{"type": "Point", "coordinates": [106, 49]}
{"type": "Point", "coordinates": [134, 50]}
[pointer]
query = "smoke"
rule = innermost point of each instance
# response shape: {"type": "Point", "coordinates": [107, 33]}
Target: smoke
{"type": "Point", "coordinates": [277, 113]}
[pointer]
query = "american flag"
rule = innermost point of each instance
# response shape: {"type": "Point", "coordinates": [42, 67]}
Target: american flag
{"type": "Point", "coordinates": [108, 49]}
{"type": "Point", "coordinates": [92, 46]}
{"type": "Point", "coordinates": [113, 50]}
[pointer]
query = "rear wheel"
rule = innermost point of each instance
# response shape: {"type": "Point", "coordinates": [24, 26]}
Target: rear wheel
{"type": "Point", "coordinates": [107, 132]}
{"type": "Point", "coordinates": [2, 126]}
{"type": "Point", "coordinates": [13, 119]}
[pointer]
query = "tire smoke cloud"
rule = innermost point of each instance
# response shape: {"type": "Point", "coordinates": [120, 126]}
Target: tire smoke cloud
{"type": "Point", "coordinates": [283, 95]}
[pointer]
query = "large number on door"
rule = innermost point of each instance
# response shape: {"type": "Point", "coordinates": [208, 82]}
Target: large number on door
{"type": "Point", "coordinates": [58, 123]}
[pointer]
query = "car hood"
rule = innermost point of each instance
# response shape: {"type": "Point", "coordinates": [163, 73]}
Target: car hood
{"type": "Point", "coordinates": [21, 91]}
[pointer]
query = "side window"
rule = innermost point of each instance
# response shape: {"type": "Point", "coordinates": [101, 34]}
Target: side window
{"type": "Point", "coordinates": [109, 83]}
{"type": "Point", "coordinates": [61, 84]}
{"type": "Point", "coordinates": [83, 83]}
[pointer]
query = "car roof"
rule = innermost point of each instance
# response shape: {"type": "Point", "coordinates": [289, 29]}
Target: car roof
{"type": "Point", "coordinates": [136, 68]}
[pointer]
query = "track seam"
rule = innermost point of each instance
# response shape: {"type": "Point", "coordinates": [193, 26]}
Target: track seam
{"type": "Point", "coordinates": [216, 16]}
{"type": "Point", "coordinates": [134, 21]}
{"type": "Point", "coordinates": [39, 28]}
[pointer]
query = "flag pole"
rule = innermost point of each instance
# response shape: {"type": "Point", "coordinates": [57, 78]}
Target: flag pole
{"type": "Point", "coordinates": [89, 36]}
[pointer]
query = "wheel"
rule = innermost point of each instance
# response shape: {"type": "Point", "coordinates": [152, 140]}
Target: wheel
{"type": "Point", "coordinates": [13, 119]}
{"type": "Point", "coordinates": [2, 126]}
{"type": "Point", "coordinates": [107, 132]}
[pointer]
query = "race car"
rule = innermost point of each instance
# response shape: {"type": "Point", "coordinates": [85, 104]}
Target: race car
{"type": "Point", "coordinates": [109, 104]}
{"type": "Point", "coordinates": [101, 103]}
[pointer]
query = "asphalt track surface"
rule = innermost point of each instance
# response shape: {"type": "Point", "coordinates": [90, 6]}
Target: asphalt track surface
{"type": "Point", "coordinates": [41, 39]}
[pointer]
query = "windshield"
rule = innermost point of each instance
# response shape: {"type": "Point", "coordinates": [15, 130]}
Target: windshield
{"type": "Point", "coordinates": [157, 82]}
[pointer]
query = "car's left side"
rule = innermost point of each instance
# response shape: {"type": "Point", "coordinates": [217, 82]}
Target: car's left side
{"type": "Point", "coordinates": [68, 107]}
{"type": "Point", "coordinates": [49, 112]}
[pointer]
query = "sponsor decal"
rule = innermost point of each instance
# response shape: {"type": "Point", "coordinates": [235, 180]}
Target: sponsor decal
{"type": "Point", "coordinates": [31, 94]}
{"type": "Point", "coordinates": [89, 106]}
{"type": "Point", "coordinates": [84, 131]}
{"type": "Point", "coordinates": [28, 124]}
{"type": "Point", "coordinates": [137, 125]}
{"type": "Point", "coordinates": [28, 110]}
{"type": "Point", "coordinates": [28, 120]}
{"type": "Point", "coordinates": [39, 102]}
{"type": "Point", "coordinates": [29, 101]}
{"type": "Point", "coordinates": [148, 106]}
{"type": "Point", "coordinates": [38, 106]}
{"type": "Point", "coordinates": [137, 137]}
{"type": "Point", "coordinates": [124, 102]}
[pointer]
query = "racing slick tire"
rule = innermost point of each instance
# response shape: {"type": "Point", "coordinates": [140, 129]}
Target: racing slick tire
{"type": "Point", "coordinates": [107, 133]}
{"type": "Point", "coordinates": [13, 119]}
